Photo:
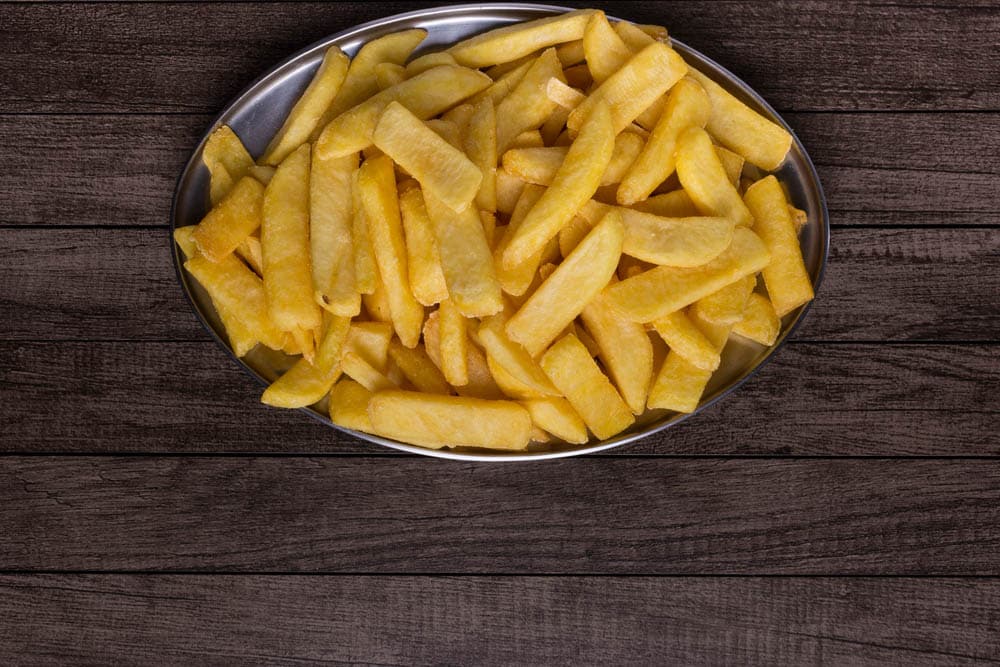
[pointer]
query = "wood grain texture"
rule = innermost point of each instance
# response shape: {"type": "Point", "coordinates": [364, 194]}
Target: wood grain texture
{"type": "Point", "coordinates": [880, 284]}
{"type": "Point", "coordinates": [258, 620]}
{"type": "Point", "coordinates": [423, 516]}
{"type": "Point", "coordinates": [808, 56]}
{"type": "Point", "coordinates": [829, 400]}
{"type": "Point", "coordinates": [876, 169]}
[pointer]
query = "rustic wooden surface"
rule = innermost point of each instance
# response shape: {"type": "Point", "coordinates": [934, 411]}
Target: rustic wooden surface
{"type": "Point", "coordinates": [843, 507]}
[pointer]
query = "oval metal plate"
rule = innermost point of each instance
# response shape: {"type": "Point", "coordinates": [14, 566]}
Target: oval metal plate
{"type": "Point", "coordinates": [257, 113]}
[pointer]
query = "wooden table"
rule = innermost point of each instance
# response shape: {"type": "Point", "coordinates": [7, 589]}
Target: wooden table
{"type": "Point", "coordinates": [842, 507]}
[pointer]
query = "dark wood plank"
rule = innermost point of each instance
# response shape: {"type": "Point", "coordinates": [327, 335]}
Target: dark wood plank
{"type": "Point", "coordinates": [813, 56]}
{"type": "Point", "coordinates": [121, 170]}
{"type": "Point", "coordinates": [493, 621]}
{"type": "Point", "coordinates": [881, 284]}
{"type": "Point", "coordinates": [418, 515]}
{"type": "Point", "coordinates": [838, 400]}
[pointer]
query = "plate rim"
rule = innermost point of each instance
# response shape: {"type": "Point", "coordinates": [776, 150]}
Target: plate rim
{"type": "Point", "coordinates": [497, 456]}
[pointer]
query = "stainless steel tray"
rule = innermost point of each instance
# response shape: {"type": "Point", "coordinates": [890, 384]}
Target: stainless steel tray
{"type": "Point", "coordinates": [257, 113]}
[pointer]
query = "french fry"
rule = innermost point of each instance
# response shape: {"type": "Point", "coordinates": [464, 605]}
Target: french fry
{"type": "Point", "coordinates": [250, 252]}
{"type": "Point", "coordinates": [388, 75]}
{"type": "Point", "coordinates": [370, 341]}
{"type": "Point", "coordinates": [571, 53]}
{"type": "Point", "coordinates": [785, 276]}
{"type": "Point", "coordinates": [512, 357]}
{"type": "Point", "coordinates": [306, 383]}
{"type": "Point", "coordinates": [625, 351]}
{"type": "Point", "coordinates": [449, 421]}
{"type": "Point", "coordinates": [365, 374]}
{"type": "Point", "coordinates": [184, 238]}
{"type": "Point", "coordinates": [760, 323]}
{"type": "Point", "coordinates": [465, 258]}
{"type": "Point", "coordinates": [496, 72]}
{"type": "Point", "coordinates": [423, 261]}
{"type": "Point", "coordinates": [428, 61]}
{"type": "Point", "coordinates": [365, 270]}
{"type": "Point", "coordinates": [501, 87]}
{"type": "Point", "coordinates": [377, 303]}
{"type": "Point", "coordinates": [439, 167]}
{"type": "Point", "coordinates": [527, 106]}
{"type": "Point", "coordinates": [445, 129]}
{"type": "Point", "coordinates": [539, 165]}
{"type": "Point", "coordinates": [556, 416]}
{"type": "Point", "coordinates": [349, 406]}
{"type": "Point", "coordinates": [227, 161]}
{"type": "Point", "coordinates": [563, 94]}
{"type": "Point", "coordinates": [454, 342]}
{"type": "Point", "coordinates": [704, 179]}
{"type": "Point", "coordinates": [305, 115]}
{"type": "Point", "coordinates": [418, 368]}
{"type": "Point", "coordinates": [732, 164]}
{"type": "Point", "coordinates": [604, 50]}
{"type": "Point", "coordinates": [553, 126]}
{"type": "Point", "coordinates": [331, 214]}
{"type": "Point", "coordinates": [571, 235]}
{"type": "Point", "coordinates": [284, 239]}
{"type": "Point", "coordinates": [570, 287]}
{"type": "Point", "coordinates": [644, 78]}
{"type": "Point", "coordinates": [234, 218]}
{"type": "Point", "coordinates": [674, 204]}
{"type": "Point", "coordinates": [528, 139]}
{"type": "Point", "coordinates": [480, 144]}
{"type": "Point", "coordinates": [517, 279]}
{"type": "Point", "coordinates": [635, 37]}
{"type": "Point", "coordinates": [510, 385]}
{"type": "Point", "coordinates": [799, 218]}
{"type": "Point", "coordinates": [509, 189]}
{"type": "Point", "coordinates": [727, 305]}
{"type": "Point", "coordinates": [460, 116]}
{"type": "Point", "coordinates": [588, 390]}
{"type": "Point", "coordinates": [377, 183]}
{"type": "Point", "coordinates": [481, 383]}
{"type": "Point", "coordinates": [663, 290]}
{"type": "Point", "coordinates": [686, 242]}
{"type": "Point", "coordinates": [515, 41]}
{"type": "Point", "coordinates": [741, 129]}
{"type": "Point", "coordinates": [425, 95]}
{"type": "Point", "coordinates": [686, 106]}
{"type": "Point", "coordinates": [361, 82]}
{"type": "Point", "coordinates": [574, 183]}
{"type": "Point", "coordinates": [687, 340]}
{"type": "Point", "coordinates": [679, 385]}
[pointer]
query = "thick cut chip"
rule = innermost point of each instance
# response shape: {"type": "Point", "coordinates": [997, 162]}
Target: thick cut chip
{"type": "Point", "coordinates": [377, 183]}
{"type": "Point", "coordinates": [454, 344]}
{"type": "Point", "coordinates": [539, 165]}
{"type": "Point", "coordinates": [679, 385]}
{"type": "Point", "coordinates": [510, 385]}
{"type": "Point", "coordinates": [686, 106]}
{"type": "Point", "coordinates": [349, 406]}
{"type": "Point", "coordinates": [785, 276]}
{"type": "Point", "coordinates": [528, 139]}
{"type": "Point", "coordinates": [365, 374]}
{"type": "Point", "coordinates": [331, 213]}
{"type": "Point", "coordinates": [574, 183]}
{"type": "Point", "coordinates": [306, 383]}
{"type": "Point", "coordinates": [625, 351]}
{"type": "Point", "coordinates": [571, 235]}
{"type": "Point", "coordinates": [572, 370]}
{"type": "Point", "coordinates": [440, 168]}
{"type": "Point", "coordinates": [418, 368]}
{"type": "Point", "coordinates": [516, 41]}
{"type": "Point", "coordinates": [527, 106]}
{"type": "Point", "coordinates": [428, 61]}
{"type": "Point", "coordinates": [234, 218]}
{"type": "Point", "coordinates": [365, 270]}
{"type": "Point", "coordinates": [704, 179]}
{"type": "Point", "coordinates": [563, 94]}
{"type": "Point", "coordinates": [675, 204]}
{"type": "Point", "coordinates": [680, 333]}
{"type": "Point", "coordinates": [604, 50]}
{"type": "Point", "coordinates": [423, 260]}
{"type": "Point", "coordinates": [732, 164]}
{"type": "Point", "coordinates": [513, 358]}
{"type": "Point", "coordinates": [636, 38]}
{"type": "Point", "coordinates": [377, 303]}
{"type": "Point", "coordinates": [370, 341]}
{"type": "Point", "coordinates": [571, 53]}
{"type": "Point", "coordinates": [660, 291]}
{"type": "Point", "coordinates": [509, 189]}
{"type": "Point", "coordinates": [481, 383]}
{"type": "Point", "coordinates": [361, 82]}
{"type": "Point", "coordinates": [570, 288]}
{"type": "Point", "coordinates": [305, 115]}
{"type": "Point", "coordinates": [284, 239]}
{"type": "Point", "coordinates": [239, 296]}
{"type": "Point", "coordinates": [388, 75]}
{"type": "Point", "coordinates": [726, 306]}
{"type": "Point", "coordinates": [556, 416]}
{"type": "Point", "coordinates": [501, 87]}
{"type": "Point", "coordinates": [741, 129]}
{"type": "Point", "coordinates": [517, 279]}
{"type": "Point", "coordinates": [227, 160]}
{"type": "Point", "coordinates": [760, 323]}
{"type": "Point", "coordinates": [644, 78]}
{"type": "Point", "coordinates": [425, 95]}
{"type": "Point", "coordinates": [465, 258]}
{"type": "Point", "coordinates": [251, 253]}
{"type": "Point", "coordinates": [480, 144]}
{"type": "Point", "coordinates": [449, 421]}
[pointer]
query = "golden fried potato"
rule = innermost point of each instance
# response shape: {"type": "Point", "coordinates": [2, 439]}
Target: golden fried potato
{"type": "Point", "coordinates": [306, 383]}
{"type": "Point", "coordinates": [454, 344]}
{"type": "Point", "coordinates": [366, 277]}
{"type": "Point", "coordinates": [428, 61]}
{"type": "Point", "coordinates": [624, 349]}
{"type": "Point", "coordinates": [227, 160]}
{"type": "Point", "coordinates": [603, 49]}
{"type": "Point", "coordinates": [727, 305]}
{"type": "Point", "coordinates": [423, 260]}
{"type": "Point", "coordinates": [480, 144]}
{"type": "Point", "coordinates": [760, 323]}
{"type": "Point", "coordinates": [556, 416]}
{"type": "Point", "coordinates": [680, 333]}
{"type": "Point", "coordinates": [704, 179]}
{"type": "Point", "coordinates": [418, 368]}
{"type": "Point", "coordinates": [515, 41]}
{"type": "Point", "coordinates": [513, 358]}
{"type": "Point", "coordinates": [679, 385]}
{"type": "Point", "coordinates": [331, 213]}
{"type": "Point", "coordinates": [349, 406]}
{"type": "Point", "coordinates": [231, 221]}
{"type": "Point", "coordinates": [527, 106]}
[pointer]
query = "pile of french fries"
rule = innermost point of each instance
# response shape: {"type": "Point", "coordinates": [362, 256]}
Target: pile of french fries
{"type": "Point", "coordinates": [534, 236]}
